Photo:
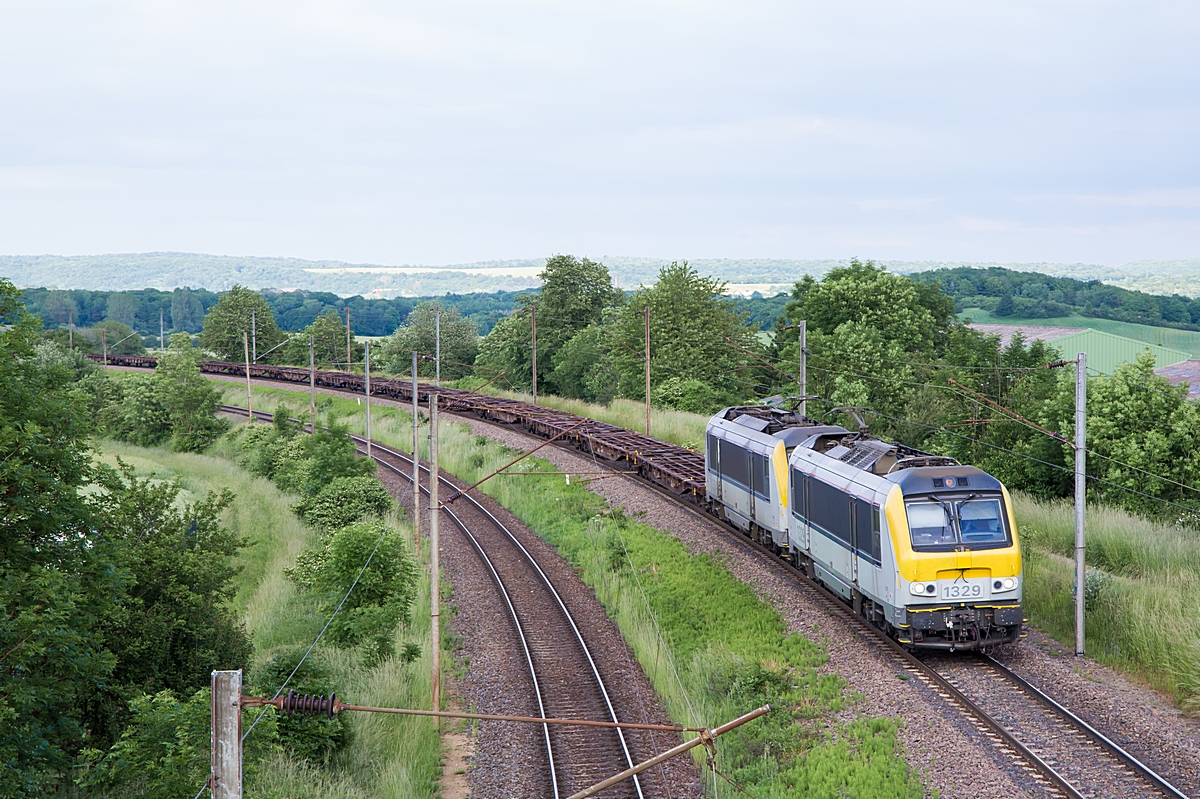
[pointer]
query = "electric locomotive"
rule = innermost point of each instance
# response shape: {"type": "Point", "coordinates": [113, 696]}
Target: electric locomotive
{"type": "Point", "coordinates": [923, 547]}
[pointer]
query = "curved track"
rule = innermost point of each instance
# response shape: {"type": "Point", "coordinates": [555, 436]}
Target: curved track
{"type": "Point", "coordinates": [565, 680]}
{"type": "Point", "coordinates": [1111, 765]}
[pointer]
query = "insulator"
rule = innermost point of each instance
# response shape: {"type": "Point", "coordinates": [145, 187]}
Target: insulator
{"type": "Point", "coordinates": [309, 705]}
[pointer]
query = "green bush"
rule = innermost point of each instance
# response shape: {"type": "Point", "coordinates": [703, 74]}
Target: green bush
{"type": "Point", "coordinates": [314, 738]}
{"type": "Point", "coordinates": [690, 395]}
{"type": "Point", "coordinates": [164, 751]}
{"type": "Point", "coordinates": [138, 416]}
{"type": "Point", "coordinates": [383, 595]}
{"type": "Point", "coordinates": [346, 500]}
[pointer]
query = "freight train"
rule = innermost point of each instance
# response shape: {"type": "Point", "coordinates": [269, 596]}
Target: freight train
{"type": "Point", "coordinates": [923, 547]}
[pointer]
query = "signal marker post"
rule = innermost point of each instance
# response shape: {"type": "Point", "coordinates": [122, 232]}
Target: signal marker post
{"type": "Point", "coordinates": [437, 345]}
{"type": "Point", "coordinates": [1080, 494]}
{"type": "Point", "coordinates": [435, 640]}
{"type": "Point", "coordinates": [312, 385]}
{"type": "Point", "coordinates": [647, 370]}
{"type": "Point", "coordinates": [533, 331]}
{"type": "Point", "coordinates": [367, 382]}
{"type": "Point", "coordinates": [416, 460]}
{"type": "Point", "coordinates": [226, 777]}
{"type": "Point", "coordinates": [249, 402]}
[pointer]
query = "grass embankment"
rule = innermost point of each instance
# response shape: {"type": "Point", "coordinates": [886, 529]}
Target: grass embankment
{"type": "Point", "coordinates": [387, 756]}
{"type": "Point", "coordinates": [676, 427]}
{"type": "Point", "coordinates": [712, 649]}
{"type": "Point", "coordinates": [1142, 595]}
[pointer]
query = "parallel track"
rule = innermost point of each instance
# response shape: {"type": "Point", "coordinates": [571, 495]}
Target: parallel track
{"type": "Point", "coordinates": [566, 681]}
{"type": "Point", "coordinates": [545, 422]}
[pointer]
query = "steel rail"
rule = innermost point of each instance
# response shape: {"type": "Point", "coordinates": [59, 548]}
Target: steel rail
{"type": "Point", "coordinates": [1114, 749]}
{"type": "Point", "coordinates": [910, 660]}
{"type": "Point", "coordinates": [404, 457]}
{"type": "Point", "coordinates": [545, 579]}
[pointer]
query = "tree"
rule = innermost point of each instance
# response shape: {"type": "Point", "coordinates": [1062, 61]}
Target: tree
{"type": "Point", "coordinates": [189, 399]}
{"type": "Point", "coordinates": [120, 338]}
{"type": "Point", "coordinates": [695, 332]}
{"type": "Point", "coordinates": [582, 369]}
{"type": "Point", "coordinates": [227, 322]}
{"type": "Point", "coordinates": [174, 624]}
{"type": "Point", "coordinates": [575, 295]}
{"type": "Point", "coordinates": [460, 343]}
{"type": "Point", "coordinates": [187, 314]}
{"type": "Point", "coordinates": [54, 580]}
{"type": "Point", "coordinates": [913, 315]}
{"type": "Point", "coordinates": [328, 332]}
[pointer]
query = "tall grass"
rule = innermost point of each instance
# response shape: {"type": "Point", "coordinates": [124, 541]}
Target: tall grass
{"type": "Point", "coordinates": [1143, 590]}
{"type": "Point", "coordinates": [676, 427]}
{"type": "Point", "coordinates": [711, 647]}
{"type": "Point", "coordinates": [394, 757]}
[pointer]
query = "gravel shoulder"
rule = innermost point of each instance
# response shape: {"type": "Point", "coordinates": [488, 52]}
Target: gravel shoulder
{"type": "Point", "coordinates": [937, 742]}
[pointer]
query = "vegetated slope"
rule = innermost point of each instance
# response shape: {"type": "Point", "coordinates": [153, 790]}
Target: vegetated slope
{"type": "Point", "coordinates": [1032, 295]}
{"type": "Point", "coordinates": [1186, 340]}
{"type": "Point", "coordinates": [1142, 581]}
{"type": "Point", "coordinates": [387, 756]}
{"type": "Point", "coordinates": [730, 649]}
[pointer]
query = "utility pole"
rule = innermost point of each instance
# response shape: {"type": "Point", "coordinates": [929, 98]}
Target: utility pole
{"type": "Point", "coordinates": [226, 779]}
{"type": "Point", "coordinates": [162, 332]}
{"type": "Point", "coordinates": [253, 337]}
{"type": "Point", "coordinates": [249, 401]}
{"type": "Point", "coordinates": [1080, 493]}
{"type": "Point", "coordinates": [533, 313]}
{"type": "Point", "coordinates": [437, 345]}
{"type": "Point", "coordinates": [312, 385]}
{"type": "Point", "coordinates": [367, 382]}
{"type": "Point", "coordinates": [647, 370]}
{"type": "Point", "coordinates": [347, 339]}
{"type": "Point", "coordinates": [435, 645]}
{"type": "Point", "coordinates": [804, 367]}
{"type": "Point", "coordinates": [416, 460]}
{"type": "Point", "coordinates": [70, 329]}
{"type": "Point", "coordinates": [104, 346]}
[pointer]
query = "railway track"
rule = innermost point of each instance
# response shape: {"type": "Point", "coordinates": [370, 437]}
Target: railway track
{"type": "Point", "coordinates": [562, 672]}
{"type": "Point", "coordinates": [1058, 750]}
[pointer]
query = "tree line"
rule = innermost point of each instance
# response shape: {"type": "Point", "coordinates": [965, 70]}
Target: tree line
{"type": "Point", "coordinates": [117, 593]}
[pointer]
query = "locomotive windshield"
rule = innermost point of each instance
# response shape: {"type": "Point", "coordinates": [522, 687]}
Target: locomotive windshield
{"type": "Point", "coordinates": [938, 525]}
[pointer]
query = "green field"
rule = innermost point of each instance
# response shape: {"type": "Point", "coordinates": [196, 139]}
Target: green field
{"type": "Point", "coordinates": [1186, 340]}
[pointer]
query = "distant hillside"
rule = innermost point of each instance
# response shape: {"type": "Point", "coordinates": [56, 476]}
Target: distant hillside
{"type": "Point", "coordinates": [167, 271]}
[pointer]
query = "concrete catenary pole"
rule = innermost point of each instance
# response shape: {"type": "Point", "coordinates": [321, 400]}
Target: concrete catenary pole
{"type": "Point", "coordinates": [804, 367]}
{"type": "Point", "coordinates": [367, 386]}
{"type": "Point", "coordinates": [104, 346]}
{"type": "Point", "coordinates": [70, 329]}
{"type": "Point", "coordinates": [437, 345]}
{"type": "Point", "coordinates": [416, 460]}
{"type": "Point", "coordinates": [226, 779]}
{"type": "Point", "coordinates": [647, 359]}
{"type": "Point", "coordinates": [162, 332]}
{"type": "Point", "coordinates": [347, 339]}
{"type": "Point", "coordinates": [435, 641]}
{"type": "Point", "coordinates": [533, 344]}
{"type": "Point", "coordinates": [1080, 494]}
{"type": "Point", "coordinates": [253, 338]}
{"type": "Point", "coordinates": [312, 385]}
{"type": "Point", "coordinates": [249, 400]}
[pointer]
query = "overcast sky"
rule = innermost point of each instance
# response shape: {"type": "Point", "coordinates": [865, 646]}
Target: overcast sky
{"type": "Point", "coordinates": [449, 131]}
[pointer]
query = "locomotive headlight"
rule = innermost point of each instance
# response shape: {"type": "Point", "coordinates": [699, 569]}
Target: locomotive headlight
{"type": "Point", "coordinates": [1009, 583]}
{"type": "Point", "coordinates": [922, 589]}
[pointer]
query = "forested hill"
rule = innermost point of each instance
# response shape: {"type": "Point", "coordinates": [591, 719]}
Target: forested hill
{"type": "Point", "coordinates": [1031, 295]}
{"type": "Point", "coordinates": [183, 310]}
